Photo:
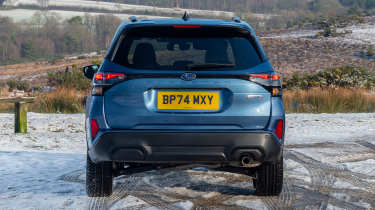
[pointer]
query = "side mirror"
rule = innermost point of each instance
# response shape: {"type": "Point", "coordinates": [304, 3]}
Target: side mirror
{"type": "Point", "coordinates": [90, 71]}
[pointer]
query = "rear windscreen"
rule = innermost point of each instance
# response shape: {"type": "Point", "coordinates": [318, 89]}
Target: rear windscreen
{"type": "Point", "coordinates": [183, 52]}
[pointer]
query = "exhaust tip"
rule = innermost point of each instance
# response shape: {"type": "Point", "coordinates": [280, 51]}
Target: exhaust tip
{"type": "Point", "coordinates": [245, 160]}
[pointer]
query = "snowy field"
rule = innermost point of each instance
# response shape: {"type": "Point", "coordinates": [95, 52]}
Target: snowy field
{"type": "Point", "coordinates": [116, 7]}
{"type": "Point", "coordinates": [361, 34]}
{"type": "Point", "coordinates": [329, 164]}
{"type": "Point", "coordinates": [26, 14]}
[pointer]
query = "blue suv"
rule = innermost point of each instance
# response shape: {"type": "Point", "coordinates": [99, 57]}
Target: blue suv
{"type": "Point", "coordinates": [184, 92]}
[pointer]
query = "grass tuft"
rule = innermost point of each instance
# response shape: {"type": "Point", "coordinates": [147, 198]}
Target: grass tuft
{"type": "Point", "coordinates": [319, 100]}
{"type": "Point", "coordinates": [61, 100]}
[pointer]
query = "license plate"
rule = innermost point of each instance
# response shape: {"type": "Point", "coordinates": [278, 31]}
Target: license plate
{"type": "Point", "coordinates": [188, 100]}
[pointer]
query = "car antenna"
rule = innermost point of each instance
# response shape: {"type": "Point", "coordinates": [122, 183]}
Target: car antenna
{"type": "Point", "coordinates": [236, 19]}
{"type": "Point", "coordinates": [133, 19]}
{"type": "Point", "coordinates": [186, 16]}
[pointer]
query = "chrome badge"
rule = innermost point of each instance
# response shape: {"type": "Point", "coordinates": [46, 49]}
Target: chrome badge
{"type": "Point", "coordinates": [188, 76]}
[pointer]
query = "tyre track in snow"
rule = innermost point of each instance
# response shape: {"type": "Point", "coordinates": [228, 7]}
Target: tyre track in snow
{"type": "Point", "coordinates": [323, 176]}
{"type": "Point", "coordinates": [74, 176]}
{"type": "Point", "coordinates": [136, 187]}
{"type": "Point", "coordinates": [286, 198]}
{"type": "Point", "coordinates": [297, 193]}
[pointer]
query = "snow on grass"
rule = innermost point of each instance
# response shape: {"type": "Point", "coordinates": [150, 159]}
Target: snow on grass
{"type": "Point", "coordinates": [116, 7]}
{"type": "Point", "coordinates": [25, 14]}
{"type": "Point", "coordinates": [34, 180]}
{"type": "Point", "coordinates": [297, 171]}
{"type": "Point", "coordinates": [358, 167]}
{"type": "Point", "coordinates": [45, 169]}
{"type": "Point", "coordinates": [251, 204]}
{"type": "Point", "coordinates": [128, 202]}
{"type": "Point", "coordinates": [338, 128]}
{"type": "Point", "coordinates": [360, 34]}
{"type": "Point", "coordinates": [54, 133]}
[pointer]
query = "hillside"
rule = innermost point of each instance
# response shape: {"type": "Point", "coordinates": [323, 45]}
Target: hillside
{"type": "Point", "coordinates": [111, 7]}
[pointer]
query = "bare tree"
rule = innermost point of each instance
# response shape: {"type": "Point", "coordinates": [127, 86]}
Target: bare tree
{"type": "Point", "coordinates": [43, 3]}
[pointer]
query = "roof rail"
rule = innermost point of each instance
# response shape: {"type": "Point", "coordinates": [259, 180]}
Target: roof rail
{"type": "Point", "coordinates": [236, 19]}
{"type": "Point", "coordinates": [133, 19]}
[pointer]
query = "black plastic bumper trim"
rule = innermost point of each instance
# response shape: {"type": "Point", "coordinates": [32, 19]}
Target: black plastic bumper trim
{"type": "Point", "coordinates": [186, 147]}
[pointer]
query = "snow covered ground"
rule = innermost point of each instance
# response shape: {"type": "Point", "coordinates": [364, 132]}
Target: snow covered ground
{"type": "Point", "coordinates": [361, 34]}
{"type": "Point", "coordinates": [117, 7]}
{"type": "Point", "coordinates": [26, 14]}
{"type": "Point", "coordinates": [329, 159]}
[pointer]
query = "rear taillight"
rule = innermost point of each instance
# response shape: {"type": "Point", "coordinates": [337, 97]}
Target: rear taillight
{"type": "Point", "coordinates": [103, 77]}
{"type": "Point", "coordinates": [104, 80]}
{"type": "Point", "coordinates": [265, 76]}
{"type": "Point", "coordinates": [279, 129]}
{"type": "Point", "coordinates": [272, 82]}
{"type": "Point", "coordinates": [186, 26]}
{"type": "Point", "coordinates": [94, 128]}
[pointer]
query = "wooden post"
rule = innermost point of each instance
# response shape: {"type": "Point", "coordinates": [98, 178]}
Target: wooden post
{"type": "Point", "coordinates": [20, 112]}
{"type": "Point", "coordinates": [20, 117]}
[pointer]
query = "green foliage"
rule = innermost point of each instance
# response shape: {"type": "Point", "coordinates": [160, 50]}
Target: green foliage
{"type": "Point", "coordinates": [72, 78]}
{"type": "Point", "coordinates": [341, 77]}
{"type": "Point", "coordinates": [36, 88]}
{"type": "Point", "coordinates": [28, 49]}
{"type": "Point", "coordinates": [75, 20]}
{"type": "Point", "coordinates": [18, 85]}
{"type": "Point", "coordinates": [370, 51]}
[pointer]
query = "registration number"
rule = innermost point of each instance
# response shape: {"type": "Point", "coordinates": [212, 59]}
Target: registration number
{"type": "Point", "coordinates": [188, 100]}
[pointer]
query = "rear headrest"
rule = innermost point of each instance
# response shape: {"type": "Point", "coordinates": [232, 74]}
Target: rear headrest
{"type": "Point", "coordinates": [144, 56]}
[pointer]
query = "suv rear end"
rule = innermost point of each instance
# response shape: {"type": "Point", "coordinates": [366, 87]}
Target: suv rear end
{"type": "Point", "coordinates": [178, 92]}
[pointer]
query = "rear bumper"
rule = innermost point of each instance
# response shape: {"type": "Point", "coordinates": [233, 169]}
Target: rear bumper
{"type": "Point", "coordinates": [184, 147]}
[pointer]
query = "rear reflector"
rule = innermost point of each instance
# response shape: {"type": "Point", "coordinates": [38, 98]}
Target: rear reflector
{"type": "Point", "coordinates": [94, 128]}
{"type": "Point", "coordinates": [186, 26]}
{"type": "Point", "coordinates": [279, 129]}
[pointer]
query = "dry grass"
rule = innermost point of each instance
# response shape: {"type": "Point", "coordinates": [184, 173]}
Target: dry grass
{"type": "Point", "coordinates": [319, 100]}
{"type": "Point", "coordinates": [6, 107]}
{"type": "Point", "coordinates": [38, 67]}
{"type": "Point", "coordinates": [316, 100]}
{"type": "Point", "coordinates": [61, 100]}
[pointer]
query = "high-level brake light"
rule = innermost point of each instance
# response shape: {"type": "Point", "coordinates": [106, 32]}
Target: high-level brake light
{"type": "Point", "coordinates": [186, 26]}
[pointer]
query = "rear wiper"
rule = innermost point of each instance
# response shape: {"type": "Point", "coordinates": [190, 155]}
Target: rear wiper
{"type": "Point", "coordinates": [209, 66]}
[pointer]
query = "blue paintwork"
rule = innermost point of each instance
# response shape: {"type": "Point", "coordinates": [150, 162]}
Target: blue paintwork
{"type": "Point", "coordinates": [131, 105]}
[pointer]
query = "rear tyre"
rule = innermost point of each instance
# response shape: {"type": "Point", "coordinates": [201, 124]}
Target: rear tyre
{"type": "Point", "coordinates": [269, 179]}
{"type": "Point", "coordinates": [99, 178]}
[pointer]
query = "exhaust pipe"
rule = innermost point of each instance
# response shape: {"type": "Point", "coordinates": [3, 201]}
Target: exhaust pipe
{"type": "Point", "coordinates": [247, 161]}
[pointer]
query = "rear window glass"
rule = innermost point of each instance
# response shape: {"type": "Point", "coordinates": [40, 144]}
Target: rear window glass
{"type": "Point", "coordinates": [186, 53]}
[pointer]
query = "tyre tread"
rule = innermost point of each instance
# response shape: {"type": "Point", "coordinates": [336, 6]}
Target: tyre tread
{"type": "Point", "coordinates": [99, 178]}
{"type": "Point", "coordinates": [269, 179]}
